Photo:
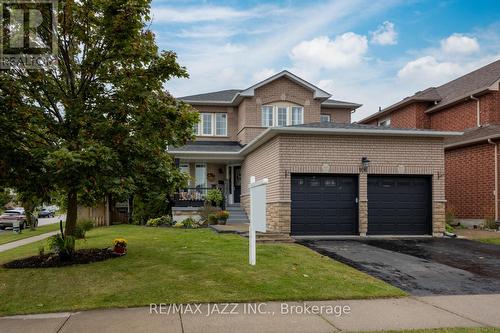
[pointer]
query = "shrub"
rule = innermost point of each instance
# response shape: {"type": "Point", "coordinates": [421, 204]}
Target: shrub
{"type": "Point", "coordinates": [63, 246]}
{"type": "Point", "coordinates": [82, 226]}
{"type": "Point", "coordinates": [489, 222]}
{"type": "Point", "coordinates": [205, 212]}
{"type": "Point", "coordinates": [213, 219]}
{"type": "Point", "coordinates": [189, 223]}
{"type": "Point", "coordinates": [449, 228]}
{"type": "Point", "coordinates": [179, 225]}
{"type": "Point", "coordinates": [450, 217]}
{"type": "Point", "coordinates": [160, 221]}
{"type": "Point", "coordinates": [214, 196]}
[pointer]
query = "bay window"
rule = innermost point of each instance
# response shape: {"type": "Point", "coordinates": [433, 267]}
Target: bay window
{"type": "Point", "coordinates": [267, 116]}
{"type": "Point", "coordinates": [297, 115]}
{"type": "Point", "coordinates": [282, 115]}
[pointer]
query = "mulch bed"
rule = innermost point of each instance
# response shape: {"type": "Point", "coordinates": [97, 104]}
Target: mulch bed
{"type": "Point", "coordinates": [83, 256]}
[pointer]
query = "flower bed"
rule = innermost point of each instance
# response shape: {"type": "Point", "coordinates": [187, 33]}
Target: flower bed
{"type": "Point", "coordinates": [83, 256]}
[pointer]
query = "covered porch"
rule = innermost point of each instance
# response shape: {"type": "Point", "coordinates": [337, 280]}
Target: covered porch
{"type": "Point", "coordinates": [206, 175]}
{"type": "Point", "coordinates": [210, 165]}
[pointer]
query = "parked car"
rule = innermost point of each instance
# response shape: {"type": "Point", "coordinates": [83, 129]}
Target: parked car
{"type": "Point", "coordinates": [10, 215]}
{"type": "Point", "coordinates": [46, 212]}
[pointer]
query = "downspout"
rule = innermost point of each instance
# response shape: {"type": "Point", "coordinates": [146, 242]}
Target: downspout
{"type": "Point", "coordinates": [496, 177]}
{"type": "Point", "coordinates": [478, 113]}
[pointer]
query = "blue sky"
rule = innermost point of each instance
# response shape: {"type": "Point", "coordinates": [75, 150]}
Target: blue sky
{"type": "Point", "coordinates": [369, 52]}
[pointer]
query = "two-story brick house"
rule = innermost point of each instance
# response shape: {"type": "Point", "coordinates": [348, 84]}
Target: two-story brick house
{"type": "Point", "coordinates": [470, 103]}
{"type": "Point", "coordinates": [326, 175]}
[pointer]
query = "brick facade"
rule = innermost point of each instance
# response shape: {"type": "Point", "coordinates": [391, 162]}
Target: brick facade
{"type": "Point", "coordinates": [470, 184]}
{"type": "Point", "coordinates": [288, 154]}
{"type": "Point", "coordinates": [245, 120]}
{"type": "Point", "coordinates": [469, 170]}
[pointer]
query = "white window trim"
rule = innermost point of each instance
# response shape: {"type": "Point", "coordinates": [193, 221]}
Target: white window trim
{"type": "Point", "coordinates": [275, 115]}
{"type": "Point", "coordinates": [214, 121]}
{"type": "Point", "coordinates": [326, 115]}
{"type": "Point", "coordinates": [387, 120]}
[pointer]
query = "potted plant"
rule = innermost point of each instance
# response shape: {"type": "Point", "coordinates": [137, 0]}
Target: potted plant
{"type": "Point", "coordinates": [222, 216]}
{"type": "Point", "coordinates": [215, 197]}
{"type": "Point", "coordinates": [120, 247]}
{"type": "Point", "coordinates": [213, 219]}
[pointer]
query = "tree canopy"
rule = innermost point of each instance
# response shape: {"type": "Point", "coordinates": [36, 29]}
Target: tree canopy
{"type": "Point", "coordinates": [98, 121]}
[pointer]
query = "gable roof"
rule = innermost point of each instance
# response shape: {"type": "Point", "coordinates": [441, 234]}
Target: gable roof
{"type": "Point", "coordinates": [474, 136]}
{"type": "Point", "coordinates": [476, 82]}
{"type": "Point", "coordinates": [223, 96]}
{"type": "Point", "coordinates": [317, 92]}
{"type": "Point", "coordinates": [232, 97]}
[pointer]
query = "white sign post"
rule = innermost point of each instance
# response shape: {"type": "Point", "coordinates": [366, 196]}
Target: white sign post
{"type": "Point", "coordinates": [257, 214]}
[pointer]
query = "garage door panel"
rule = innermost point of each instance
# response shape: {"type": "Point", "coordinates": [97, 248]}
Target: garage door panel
{"type": "Point", "coordinates": [399, 205]}
{"type": "Point", "coordinates": [324, 205]}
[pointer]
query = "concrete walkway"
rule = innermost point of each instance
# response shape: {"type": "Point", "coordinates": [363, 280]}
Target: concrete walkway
{"type": "Point", "coordinates": [24, 241]}
{"type": "Point", "coordinates": [363, 315]}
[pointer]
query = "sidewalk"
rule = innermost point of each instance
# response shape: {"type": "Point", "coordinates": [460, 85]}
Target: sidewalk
{"type": "Point", "coordinates": [24, 241]}
{"type": "Point", "coordinates": [365, 315]}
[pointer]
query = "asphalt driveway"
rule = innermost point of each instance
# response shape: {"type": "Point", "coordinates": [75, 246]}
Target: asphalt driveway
{"type": "Point", "coordinates": [421, 266]}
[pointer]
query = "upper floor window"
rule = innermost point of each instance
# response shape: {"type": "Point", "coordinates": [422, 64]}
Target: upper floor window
{"type": "Point", "coordinates": [267, 116]}
{"type": "Point", "coordinates": [211, 124]}
{"type": "Point", "coordinates": [282, 115]}
{"type": "Point", "coordinates": [385, 122]}
{"type": "Point", "coordinates": [325, 118]}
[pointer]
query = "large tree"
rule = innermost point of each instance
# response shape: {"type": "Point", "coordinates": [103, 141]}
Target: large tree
{"type": "Point", "coordinates": [100, 115]}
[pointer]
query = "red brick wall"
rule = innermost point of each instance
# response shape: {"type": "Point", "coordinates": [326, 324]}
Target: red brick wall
{"type": "Point", "coordinates": [470, 181]}
{"type": "Point", "coordinates": [490, 108]}
{"type": "Point", "coordinates": [464, 114]}
{"type": "Point", "coordinates": [410, 116]}
{"type": "Point", "coordinates": [455, 118]}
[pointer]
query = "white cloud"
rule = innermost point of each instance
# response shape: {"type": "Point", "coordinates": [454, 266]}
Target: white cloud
{"type": "Point", "coordinates": [210, 13]}
{"type": "Point", "coordinates": [196, 14]}
{"type": "Point", "coordinates": [458, 43]}
{"type": "Point", "coordinates": [263, 74]}
{"type": "Point", "coordinates": [344, 51]}
{"type": "Point", "coordinates": [429, 69]}
{"type": "Point", "coordinates": [385, 34]}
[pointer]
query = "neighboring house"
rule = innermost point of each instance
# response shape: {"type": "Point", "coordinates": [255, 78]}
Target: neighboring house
{"type": "Point", "coordinates": [326, 176]}
{"type": "Point", "coordinates": [471, 104]}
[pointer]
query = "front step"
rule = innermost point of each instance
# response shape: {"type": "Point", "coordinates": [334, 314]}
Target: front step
{"type": "Point", "coordinates": [237, 214]}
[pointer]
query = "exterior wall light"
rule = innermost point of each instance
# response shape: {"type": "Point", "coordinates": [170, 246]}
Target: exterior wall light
{"type": "Point", "coordinates": [365, 163]}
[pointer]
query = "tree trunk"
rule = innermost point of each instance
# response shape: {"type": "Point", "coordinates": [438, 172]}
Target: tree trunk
{"type": "Point", "coordinates": [71, 215]}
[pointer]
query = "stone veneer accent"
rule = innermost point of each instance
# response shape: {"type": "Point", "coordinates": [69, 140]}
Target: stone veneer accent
{"type": "Point", "coordinates": [287, 154]}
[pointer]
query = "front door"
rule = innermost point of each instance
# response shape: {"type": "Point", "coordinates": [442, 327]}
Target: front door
{"type": "Point", "coordinates": [237, 184]}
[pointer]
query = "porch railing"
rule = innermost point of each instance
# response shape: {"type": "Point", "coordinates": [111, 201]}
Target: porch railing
{"type": "Point", "coordinates": [193, 197]}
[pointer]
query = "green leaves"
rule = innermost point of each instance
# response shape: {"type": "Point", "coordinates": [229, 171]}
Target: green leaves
{"type": "Point", "coordinates": [98, 123]}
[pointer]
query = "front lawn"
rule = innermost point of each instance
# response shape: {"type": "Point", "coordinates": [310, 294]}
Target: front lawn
{"type": "Point", "coordinates": [490, 240]}
{"type": "Point", "coordinates": [166, 265]}
{"type": "Point", "coordinates": [9, 236]}
{"type": "Point", "coordinates": [448, 330]}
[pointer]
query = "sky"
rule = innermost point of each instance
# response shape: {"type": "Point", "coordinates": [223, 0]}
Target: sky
{"type": "Point", "coordinates": [369, 52]}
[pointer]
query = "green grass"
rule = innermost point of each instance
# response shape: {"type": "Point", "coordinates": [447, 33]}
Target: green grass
{"type": "Point", "coordinates": [448, 330]}
{"type": "Point", "coordinates": [9, 236]}
{"type": "Point", "coordinates": [167, 265]}
{"type": "Point", "coordinates": [490, 240]}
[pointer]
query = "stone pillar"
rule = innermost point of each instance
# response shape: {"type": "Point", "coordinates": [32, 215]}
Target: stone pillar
{"type": "Point", "coordinates": [279, 217]}
{"type": "Point", "coordinates": [363, 204]}
{"type": "Point", "coordinates": [438, 217]}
